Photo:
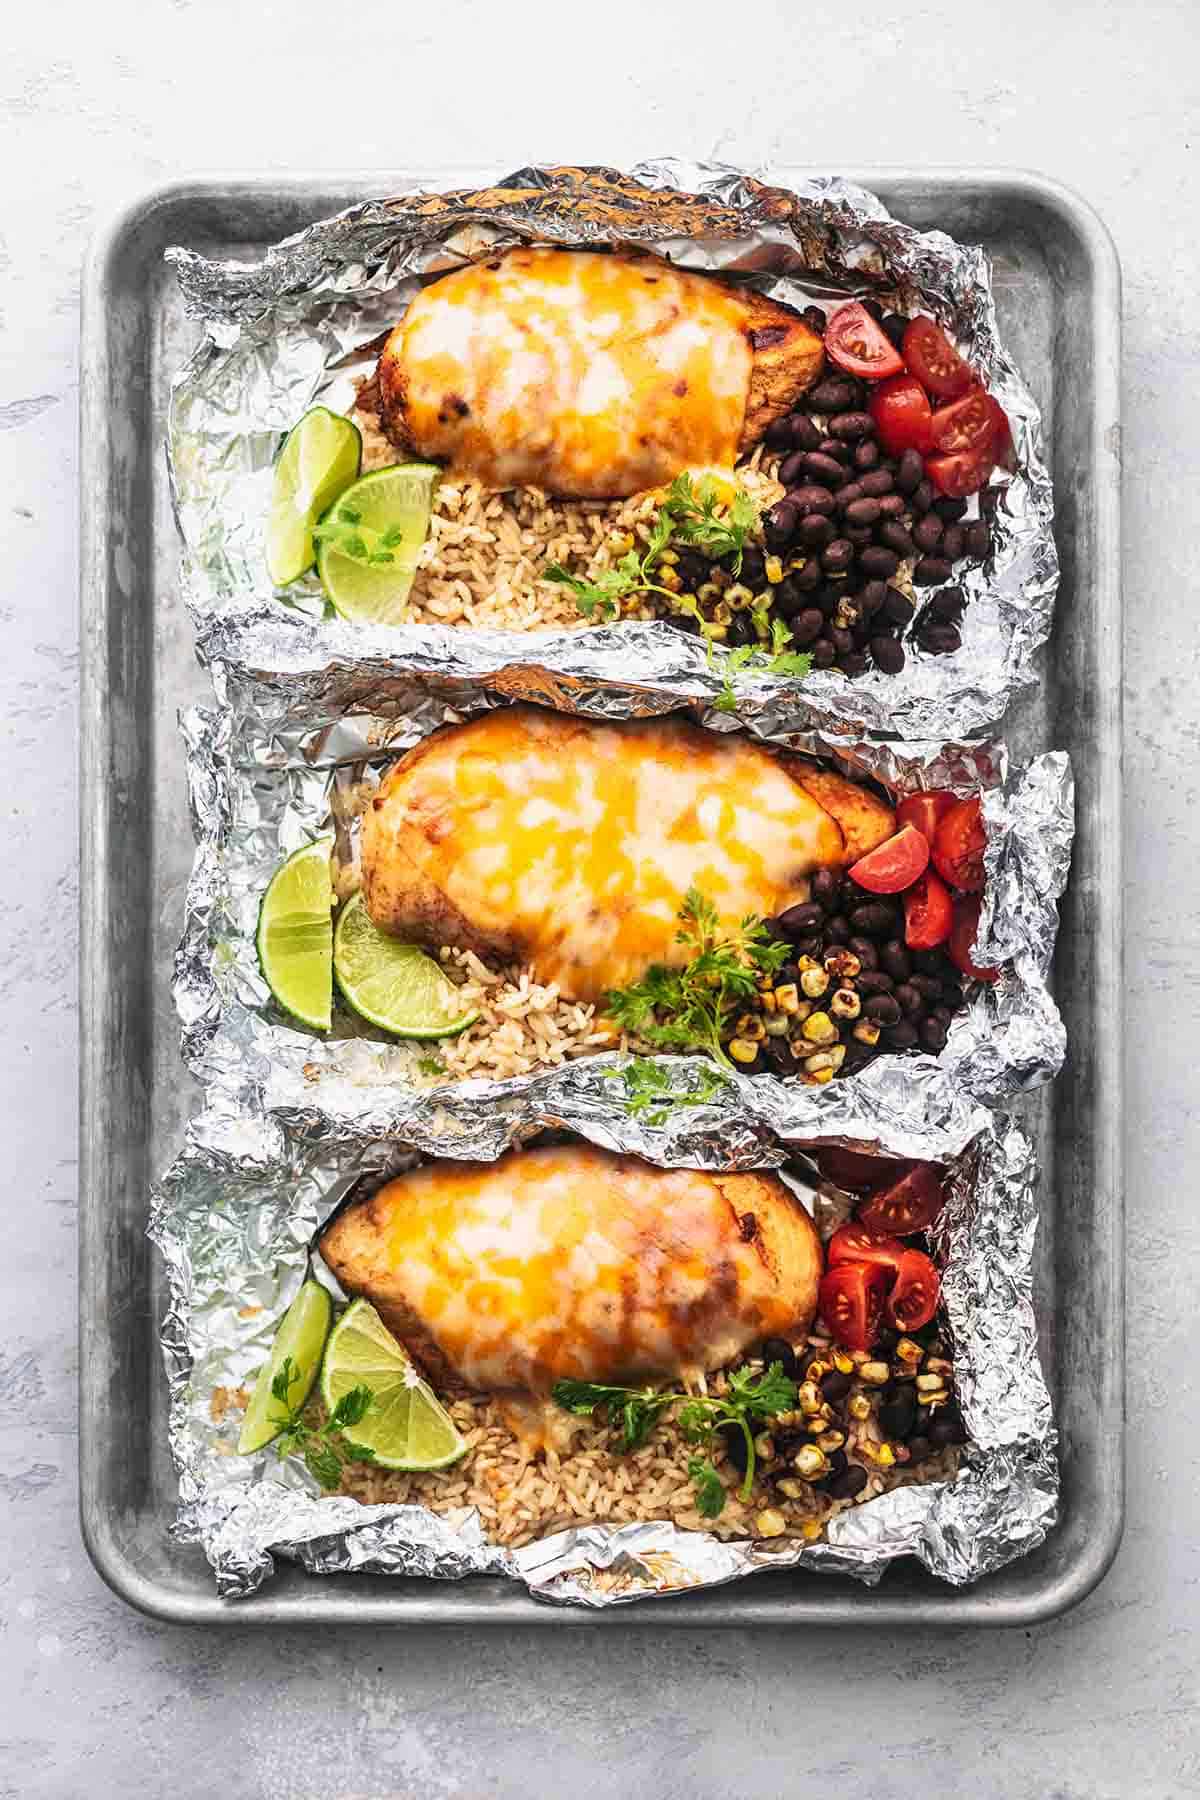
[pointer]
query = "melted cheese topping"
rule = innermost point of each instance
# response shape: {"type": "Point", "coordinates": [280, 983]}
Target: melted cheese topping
{"type": "Point", "coordinates": [585, 374]}
{"type": "Point", "coordinates": [577, 842]}
{"type": "Point", "coordinates": [572, 1261]}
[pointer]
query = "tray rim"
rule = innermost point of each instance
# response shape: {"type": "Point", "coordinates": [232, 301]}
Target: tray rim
{"type": "Point", "coordinates": [295, 1597]}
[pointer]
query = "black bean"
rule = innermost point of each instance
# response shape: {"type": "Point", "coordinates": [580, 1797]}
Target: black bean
{"type": "Point", "coordinates": [876, 311]}
{"type": "Point", "coordinates": [837, 452]}
{"type": "Point", "coordinates": [872, 982]}
{"type": "Point", "coordinates": [740, 630]}
{"type": "Point", "coordinates": [811, 945]}
{"type": "Point", "coordinates": [848, 1484]}
{"type": "Point", "coordinates": [791, 471]}
{"type": "Point", "coordinates": [823, 469]}
{"type": "Point", "coordinates": [841, 640]}
{"type": "Point", "coordinates": [805, 435]}
{"type": "Point", "coordinates": [978, 539]}
{"type": "Point", "coordinates": [823, 654]}
{"type": "Point", "coordinates": [850, 426]}
{"type": "Point", "coordinates": [799, 919]}
{"type": "Point", "coordinates": [872, 598]}
{"type": "Point", "coordinates": [779, 522]}
{"type": "Point", "coordinates": [878, 561]}
{"type": "Point", "coordinates": [954, 542]}
{"type": "Point", "coordinates": [866, 454]}
{"type": "Point", "coordinates": [778, 435]}
{"type": "Point", "coordinates": [754, 571]}
{"type": "Point", "coordinates": [789, 597]}
{"type": "Point", "coordinates": [945, 1430]}
{"type": "Point", "coordinates": [922, 497]}
{"type": "Point", "coordinates": [942, 1014]}
{"type": "Point", "coordinates": [815, 531]}
{"type": "Point", "coordinates": [874, 919]}
{"type": "Point", "coordinates": [876, 483]}
{"type": "Point", "coordinates": [847, 494]}
{"type": "Point", "coordinates": [928, 986]}
{"type": "Point", "coordinates": [896, 960]}
{"type": "Point", "coordinates": [897, 1411]}
{"type": "Point", "coordinates": [837, 931]}
{"type": "Point", "coordinates": [898, 609]}
{"type": "Point", "coordinates": [927, 532]}
{"type": "Point", "coordinates": [887, 654]}
{"type": "Point", "coordinates": [895, 325]}
{"type": "Point", "coordinates": [951, 511]}
{"type": "Point", "coordinates": [893, 535]}
{"type": "Point", "coordinates": [811, 497]}
{"type": "Point", "coordinates": [808, 578]}
{"type": "Point", "coordinates": [910, 1001]}
{"type": "Point", "coordinates": [886, 1339]}
{"type": "Point", "coordinates": [779, 1056]}
{"type": "Point", "coordinates": [736, 1449]}
{"type": "Point", "coordinates": [837, 557]}
{"type": "Point", "coordinates": [919, 1447]}
{"type": "Point", "coordinates": [902, 1036]}
{"type": "Point", "coordinates": [826, 886]}
{"type": "Point", "coordinates": [891, 506]}
{"type": "Point", "coordinates": [910, 472]}
{"type": "Point", "coordinates": [826, 597]}
{"type": "Point", "coordinates": [806, 629]}
{"type": "Point", "coordinates": [862, 512]}
{"type": "Point", "coordinates": [933, 1036]}
{"type": "Point", "coordinates": [831, 396]}
{"type": "Point", "coordinates": [947, 607]}
{"type": "Point", "coordinates": [865, 951]}
{"type": "Point", "coordinates": [941, 640]}
{"type": "Point", "coordinates": [835, 1386]}
{"type": "Point", "coordinates": [859, 535]}
{"type": "Point", "coordinates": [778, 1350]}
{"type": "Point", "coordinates": [854, 663]}
{"type": "Point", "coordinates": [814, 318]}
{"type": "Point", "coordinates": [930, 570]}
{"type": "Point", "coordinates": [952, 992]}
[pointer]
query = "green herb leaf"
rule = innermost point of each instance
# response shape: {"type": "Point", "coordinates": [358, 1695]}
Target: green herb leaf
{"type": "Point", "coordinates": [650, 1090]}
{"type": "Point", "coordinates": [636, 1410]}
{"type": "Point", "coordinates": [762, 1396]}
{"type": "Point", "coordinates": [710, 1495]}
{"type": "Point", "coordinates": [431, 1065]}
{"type": "Point", "coordinates": [323, 1462]}
{"type": "Point", "coordinates": [285, 1377]}
{"type": "Point", "coordinates": [350, 1408]}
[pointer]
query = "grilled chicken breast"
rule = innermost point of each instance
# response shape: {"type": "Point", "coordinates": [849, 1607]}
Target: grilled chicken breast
{"type": "Point", "coordinates": [588, 374]}
{"type": "Point", "coordinates": [506, 1277]}
{"type": "Point", "coordinates": [570, 844]}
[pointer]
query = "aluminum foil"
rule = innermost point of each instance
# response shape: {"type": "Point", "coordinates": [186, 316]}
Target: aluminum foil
{"type": "Point", "coordinates": [270, 769]}
{"type": "Point", "coordinates": [293, 329]}
{"type": "Point", "coordinates": [235, 1215]}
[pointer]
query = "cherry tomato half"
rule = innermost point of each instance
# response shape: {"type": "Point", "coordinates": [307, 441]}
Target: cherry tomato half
{"type": "Point", "coordinates": [966, 424]}
{"type": "Point", "coordinates": [850, 1300]}
{"type": "Point", "coordinates": [913, 1300]}
{"type": "Point", "coordinates": [932, 358]}
{"type": "Point", "coordinates": [910, 1204]}
{"type": "Point", "coordinates": [893, 865]}
{"type": "Point", "coordinates": [962, 473]}
{"type": "Point", "coordinates": [855, 1170]}
{"type": "Point", "coordinates": [925, 812]}
{"type": "Point", "coordinates": [962, 939]}
{"type": "Point", "coordinates": [902, 415]}
{"type": "Point", "coordinates": [959, 845]}
{"type": "Point", "coordinates": [928, 913]}
{"type": "Point", "coordinates": [855, 343]}
{"type": "Point", "coordinates": [857, 1243]}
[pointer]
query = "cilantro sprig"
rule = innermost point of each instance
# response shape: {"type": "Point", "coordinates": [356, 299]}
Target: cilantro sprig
{"type": "Point", "coordinates": [692, 1007]}
{"type": "Point", "coordinates": [323, 1456]}
{"type": "Point", "coordinates": [651, 1090]}
{"type": "Point", "coordinates": [751, 1399]}
{"type": "Point", "coordinates": [778, 660]}
{"type": "Point", "coordinates": [343, 529]}
{"type": "Point", "coordinates": [691, 513]}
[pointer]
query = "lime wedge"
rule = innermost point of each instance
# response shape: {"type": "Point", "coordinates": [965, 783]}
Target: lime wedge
{"type": "Point", "coordinates": [394, 985]}
{"type": "Point", "coordinates": [299, 1342]}
{"type": "Point", "coordinates": [320, 457]}
{"type": "Point", "coordinates": [295, 935]}
{"type": "Point", "coordinates": [405, 1426]}
{"type": "Point", "coordinates": [370, 540]}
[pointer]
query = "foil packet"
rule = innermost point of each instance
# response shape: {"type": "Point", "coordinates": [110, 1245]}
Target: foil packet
{"type": "Point", "coordinates": [234, 1218]}
{"type": "Point", "coordinates": [286, 757]}
{"type": "Point", "coordinates": [296, 328]}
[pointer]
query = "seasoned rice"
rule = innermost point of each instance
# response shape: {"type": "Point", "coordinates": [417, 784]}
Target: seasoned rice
{"type": "Point", "coordinates": [483, 562]}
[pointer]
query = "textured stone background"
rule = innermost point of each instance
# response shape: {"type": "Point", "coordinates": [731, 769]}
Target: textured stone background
{"type": "Point", "coordinates": [96, 102]}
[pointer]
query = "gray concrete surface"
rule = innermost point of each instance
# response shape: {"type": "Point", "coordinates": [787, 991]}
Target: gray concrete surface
{"type": "Point", "coordinates": [94, 103]}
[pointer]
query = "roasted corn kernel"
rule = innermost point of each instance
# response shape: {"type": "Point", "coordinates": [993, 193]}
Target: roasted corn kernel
{"type": "Point", "coordinates": [937, 1365]}
{"type": "Point", "coordinates": [907, 1350]}
{"type": "Point", "coordinates": [814, 982]}
{"type": "Point", "coordinates": [787, 997]}
{"type": "Point", "coordinates": [831, 1440]}
{"type": "Point", "coordinates": [764, 1447]}
{"type": "Point", "coordinates": [843, 965]}
{"type": "Point", "coordinates": [929, 1384]}
{"type": "Point", "coordinates": [843, 1362]}
{"type": "Point", "coordinates": [885, 1456]}
{"type": "Point", "coordinates": [819, 1028]}
{"type": "Point", "coordinates": [810, 1462]}
{"type": "Point", "coordinates": [776, 1024]}
{"type": "Point", "coordinates": [743, 1050]}
{"type": "Point", "coordinates": [811, 1529]}
{"type": "Point", "coordinates": [809, 1397]}
{"type": "Point", "coordinates": [858, 1406]}
{"type": "Point", "coordinates": [874, 1373]}
{"type": "Point", "coordinates": [791, 1490]}
{"type": "Point", "coordinates": [866, 1031]}
{"type": "Point", "coordinates": [845, 1004]}
{"type": "Point", "coordinates": [769, 1523]}
{"type": "Point", "coordinates": [820, 1079]}
{"type": "Point", "coordinates": [750, 1026]}
{"type": "Point", "coordinates": [837, 1055]}
{"type": "Point", "coordinates": [818, 1064]}
{"type": "Point", "coordinates": [774, 569]}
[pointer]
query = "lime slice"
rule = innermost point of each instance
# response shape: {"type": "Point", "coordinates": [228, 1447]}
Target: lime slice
{"type": "Point", "coordinates": [295, 935]}
{"type": "Point", "coordinates": [299, 1343]}
{"type": "Point", "coordinates": [377, 528]}
{"type": "Point", "coordinates": [394, 985]}
{"type": "Point", "coordinates": [320, 457]}
{"type": "Point", "coordinates": [405, 1425]}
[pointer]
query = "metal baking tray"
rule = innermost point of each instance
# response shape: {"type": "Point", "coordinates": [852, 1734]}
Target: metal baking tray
{"type": "Point", "coordinates": [1057, 294]}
